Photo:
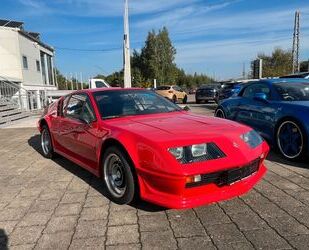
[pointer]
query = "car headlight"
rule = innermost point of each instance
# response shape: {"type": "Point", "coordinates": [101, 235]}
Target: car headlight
{"type": "Point", "coordinates": [197, 153]}
{"type": "Point", "coordinates": [252, 138]}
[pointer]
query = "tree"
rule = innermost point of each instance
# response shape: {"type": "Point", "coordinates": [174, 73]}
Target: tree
{"type": "Point", "coordinates": [157, 58]}
{"type": "Point", "coordinates": [277, 64]}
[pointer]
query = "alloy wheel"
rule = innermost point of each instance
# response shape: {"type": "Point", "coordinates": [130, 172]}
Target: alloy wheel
{"type": "Point", "coordinates": [114, 175]}
{"type": "Point", "coordinates": [45, 142]}
{"type": "Point", "coordinates": [290, 139]}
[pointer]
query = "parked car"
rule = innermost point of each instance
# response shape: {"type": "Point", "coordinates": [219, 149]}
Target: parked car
{"type": "Point", "coordinates": [143, 145]}
{"type": "Point", "coordinates": [277, 109]}
{"type": "Point", "coordinates": [227, 90]}
{"type": "Point", "coordinates": [173, 93]}
{"type": "Point", "coordinates": [206, 93]}
{"type": "Point", "coordinates": [304, 75]}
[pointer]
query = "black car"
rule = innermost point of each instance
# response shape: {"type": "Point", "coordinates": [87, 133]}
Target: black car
{"type": "Point", "coordinates": [207, 93]}
{"type": "Point", "coordinates": [227, 90]}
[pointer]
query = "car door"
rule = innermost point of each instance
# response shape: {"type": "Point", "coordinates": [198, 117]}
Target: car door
{"type": "Point", "coordinates": [79, 130]}
{"type": "Point", "coordinates": [178, 92]}
{"type": "Point", "coordinates": [253, 111]}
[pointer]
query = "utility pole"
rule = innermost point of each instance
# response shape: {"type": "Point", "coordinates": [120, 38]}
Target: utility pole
{"type": "Point", "coordinates": [76, 81]}
{"type": "Point", "coordinates": [244, 71]}
{"type": "Point", "coordinates": [71, 81]}
{"type": "Point", "coordinates": [295, 51]}
{"type": "Point", "coordinates": [81, 80]}
{"type": "Point", "coordinates": [126, 48]}
{"type": "Point", "coordinates": [66, 81]}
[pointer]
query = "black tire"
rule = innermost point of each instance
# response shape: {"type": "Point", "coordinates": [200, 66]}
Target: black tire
{"type": "Point", "coordinates": [220, 113]}
{"type": "Point", "coordinates": [300, 143]}
{"type": "Point", "coordinates": [174, 99]}
{"type": "Point", "coordinates": [184, 100]}
{"type": "Point", "coordinates": [46, 143]}
{"type": "Point", "coordinates": [125, 190]}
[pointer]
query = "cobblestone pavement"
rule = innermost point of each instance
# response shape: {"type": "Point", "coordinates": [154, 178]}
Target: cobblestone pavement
{"type": "Point", "coordinates": [47, 204]}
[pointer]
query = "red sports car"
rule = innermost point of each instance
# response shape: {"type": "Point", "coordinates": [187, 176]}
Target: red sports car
{"type": "Point", "coordinates": [142, 145]}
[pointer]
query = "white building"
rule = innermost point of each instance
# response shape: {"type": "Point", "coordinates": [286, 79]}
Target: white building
{"type": "Point", "coordinates": [27, 62]}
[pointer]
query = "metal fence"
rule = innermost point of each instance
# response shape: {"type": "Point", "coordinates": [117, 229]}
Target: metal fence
{"type": "Point", "coordinates": [13, 94]}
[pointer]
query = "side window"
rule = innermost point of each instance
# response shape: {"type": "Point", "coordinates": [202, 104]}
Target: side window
{"type": "Point", "coordinates": [65, 104]}
{"type": "Point", "coordinates": [79, 107]}
{"type": "Point", "coordinates": [87, 112]}
{"type": "Point", "coordinates": [253, 89]}
{"type": "Point", "coordinates": [75, 106]}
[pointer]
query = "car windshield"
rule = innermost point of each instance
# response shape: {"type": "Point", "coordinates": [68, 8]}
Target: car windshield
{"type": "Point", "coordinates": [119, 103]}
{"type": "Point", "coordinates": [290, 91]}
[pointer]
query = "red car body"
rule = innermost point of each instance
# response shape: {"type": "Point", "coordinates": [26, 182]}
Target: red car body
{"type": "Point", "coordinates": [146, 138]}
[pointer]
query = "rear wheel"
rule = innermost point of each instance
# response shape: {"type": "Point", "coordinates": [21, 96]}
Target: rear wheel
{"type": "Point", "coordinates": [174, 99]}
{"type": "Point", "coordinates": [291, 140]}
{"type": "Point", "coordinates": [118, 176]}
{"type": "Point", "coordinates": [220, 113]}
{"type": "Point", "coordinates": [46, 143]}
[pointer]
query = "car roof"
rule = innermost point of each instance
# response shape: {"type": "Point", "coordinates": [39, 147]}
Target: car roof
{"type": "Point", "coordinates": [281, 80]}
{"type": "Point", "coordinates": [105, 89]}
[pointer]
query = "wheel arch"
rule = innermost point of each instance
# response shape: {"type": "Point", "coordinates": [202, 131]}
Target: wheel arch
{"type": "Point", "coordinates": [115, 142]}
{"type": "Point", "coordinates": [288, 118]}
{"type": "Point", "coordinates": [41, 123]}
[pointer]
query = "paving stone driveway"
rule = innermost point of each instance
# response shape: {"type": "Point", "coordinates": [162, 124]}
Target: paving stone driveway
{"type": "Point", "coordinates": [47, 204]}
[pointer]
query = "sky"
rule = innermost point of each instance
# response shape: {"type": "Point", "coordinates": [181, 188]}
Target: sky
{"type": "Point", "coordinates": [214, 37]}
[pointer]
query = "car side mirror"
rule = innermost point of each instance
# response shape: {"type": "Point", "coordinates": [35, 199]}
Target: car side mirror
{"type": "Point", "coordinates": [85, 120]}
{"type": "Point", "coordinates": [262, 97]}
{"type": "Point", "coordinates": [186, 108]}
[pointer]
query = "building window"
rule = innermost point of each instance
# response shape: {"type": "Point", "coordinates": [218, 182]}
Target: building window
{"type": "Point", "coordinates": [50, 70]}
{"type": "Point", "coordinates": [38, 67]}
{"type": "Point", "coordinates": [43, 68]}
{"type": "Point", "coordinates": [25, 62]}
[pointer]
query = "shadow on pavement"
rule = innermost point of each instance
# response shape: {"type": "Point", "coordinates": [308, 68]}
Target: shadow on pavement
{"type": "Point", "coordinates": [276, 157]}
{"type": "Point", "coordinates": [89, 178]}
{"type": "Point", "coordinates": [3, 240]}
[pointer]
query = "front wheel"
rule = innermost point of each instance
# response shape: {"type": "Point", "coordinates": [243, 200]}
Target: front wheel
{"type": "Point", "coordinates": [174, 99]}
{"type": "Point", "coordinates": [118, 177]}
{"type": "Point", "coordinates": [184, 100]}
{"type": "Point", "coordinates": [291, 140]}
{"type": "Point", "coordinates": [220, 113]}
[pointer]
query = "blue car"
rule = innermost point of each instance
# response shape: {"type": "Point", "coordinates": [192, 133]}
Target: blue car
{"type": "Point", "coordinates": [278, 109]}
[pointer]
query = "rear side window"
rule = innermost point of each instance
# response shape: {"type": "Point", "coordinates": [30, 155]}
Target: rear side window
{"type": "Point", "coordinates": [65, 104]}
{"type": "Point", "coordinates": [163, 88]}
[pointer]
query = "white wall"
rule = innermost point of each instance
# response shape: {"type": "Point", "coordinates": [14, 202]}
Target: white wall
{"type": "Point", "coordinates": [31, 50]}
{"type": "Point", "coordinates": [10, 61]}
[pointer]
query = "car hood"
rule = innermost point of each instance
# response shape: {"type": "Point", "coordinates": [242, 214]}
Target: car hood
{"type": "Point", "coordinates": [180, 125]}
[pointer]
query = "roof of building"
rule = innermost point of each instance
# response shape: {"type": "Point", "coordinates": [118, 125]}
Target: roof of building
{"type": "Point", "coordinates": [11, 23]}
{"type": "Point", "coordinates": [33, 36]}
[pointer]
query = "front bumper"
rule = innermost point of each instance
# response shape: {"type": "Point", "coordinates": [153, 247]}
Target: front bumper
{"type": "Point", "coordinates": [171, 191]}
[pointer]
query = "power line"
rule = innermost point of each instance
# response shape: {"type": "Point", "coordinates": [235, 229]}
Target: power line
{"type": "Point", "coordinates": [88, 50]}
